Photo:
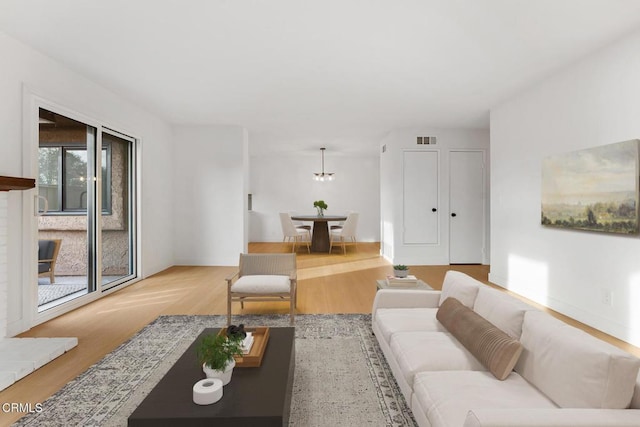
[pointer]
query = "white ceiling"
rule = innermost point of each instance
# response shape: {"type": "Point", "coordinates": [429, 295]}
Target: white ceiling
{"type": "Point", "coordinates": [338, 73]}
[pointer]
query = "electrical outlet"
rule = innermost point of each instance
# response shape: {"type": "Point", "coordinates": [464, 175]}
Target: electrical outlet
{"type": "Point", "coordinates": [607, 297]}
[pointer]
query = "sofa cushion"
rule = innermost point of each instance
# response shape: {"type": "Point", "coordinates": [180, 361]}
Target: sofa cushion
{"type": "Point", "coordinates": [492, 347]}
{"type": "Point", "coordinates": [504, 311]}
{"type": "Point", "coordinates": [565, 417]}
{"type": "Point", "coordinates": [635, 400]}
{"type": "Point", "coordinates": [573, 368]}
{"type": "Point", "coordinates": [262, 284]}
{"type": "Point", "coordinates": [392, 320]}
{"type": "Point", "coordinates": [447, 396]}
{"type": "Point", "coordinates": [430, 351]}
{"type": "Point", "coordinates": [460, 286]}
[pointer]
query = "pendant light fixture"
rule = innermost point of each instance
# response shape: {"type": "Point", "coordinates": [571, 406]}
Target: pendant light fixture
{"type": "Point", "coordinates": [322, 176]}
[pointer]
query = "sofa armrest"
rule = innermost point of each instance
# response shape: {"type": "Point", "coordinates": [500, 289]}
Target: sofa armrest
{"type": "Point", "coordinates": [561, 417]}
{"type": "Point", "coordinates": [405, 298]}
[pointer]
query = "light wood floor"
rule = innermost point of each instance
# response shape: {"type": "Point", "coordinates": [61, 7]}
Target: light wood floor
{"type": "Point", "coordinates": [333, 283]}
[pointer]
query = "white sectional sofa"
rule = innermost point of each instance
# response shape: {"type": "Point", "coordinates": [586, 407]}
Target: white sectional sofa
{"type": "Point", "coordinates": [560, 375]}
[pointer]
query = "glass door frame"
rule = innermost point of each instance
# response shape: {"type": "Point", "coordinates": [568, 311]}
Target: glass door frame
{"type": "Point", "coordinates": [132, 212]}
{"type": "Point", "coordinates": [29, 307]}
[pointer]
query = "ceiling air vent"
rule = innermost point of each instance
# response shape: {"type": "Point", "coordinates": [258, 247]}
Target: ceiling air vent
{"type": "Point", "coordinates": [426, 140]}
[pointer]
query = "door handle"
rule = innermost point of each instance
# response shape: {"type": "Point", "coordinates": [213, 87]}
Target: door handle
{"type": "Point", "coordinates": [434, 210]}
{"type": "Point", "coordinates": [454, 214]}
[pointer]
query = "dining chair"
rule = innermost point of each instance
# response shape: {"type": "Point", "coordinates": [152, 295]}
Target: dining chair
{"type": "Point", "coordinates": [347, 232]}
{"type": "Point", "coordinates": [263, 277]}
{"type": "Point", "coordinates": [339, 224]}
{"type": "Point", "coordinates": [299, 224]}
{"type": "Point", "coordinates": [293, 234]}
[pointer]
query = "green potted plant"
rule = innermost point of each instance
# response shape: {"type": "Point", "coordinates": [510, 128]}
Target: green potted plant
{"type": "Point", "coordinates": [216, 353]}
{"type": "Point", "coordinates": [320, 205]}
{"type": "Point", "coordinates": [400, 270]}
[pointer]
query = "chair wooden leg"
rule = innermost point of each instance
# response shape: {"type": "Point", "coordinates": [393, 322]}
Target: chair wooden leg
{"type": "Point", "coordinates": [294, 241]}
{"type": "Point", "coordinates": [52, 277]}
{"type": "Point", "coordinates": [292, 309]}
{"type": "Point", "coordinates": [344, 247]}
{"type": "Point", "coordinates": [228, 309]}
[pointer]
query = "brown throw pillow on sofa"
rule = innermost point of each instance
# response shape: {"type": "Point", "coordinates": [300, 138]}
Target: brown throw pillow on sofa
{"type": "Point", "coordinates": [496, 350]}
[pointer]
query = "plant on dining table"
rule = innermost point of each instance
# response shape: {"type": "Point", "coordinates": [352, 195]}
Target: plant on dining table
{"type": "Point", "coordinates": [320, 205]}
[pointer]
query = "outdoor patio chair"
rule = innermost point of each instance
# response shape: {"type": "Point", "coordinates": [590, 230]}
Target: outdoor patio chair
{"type": "Point", "coordinates": [47, 256]}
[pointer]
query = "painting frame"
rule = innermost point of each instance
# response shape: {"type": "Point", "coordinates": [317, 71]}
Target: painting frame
{"type": "Point", "coordinates": [594, 189]}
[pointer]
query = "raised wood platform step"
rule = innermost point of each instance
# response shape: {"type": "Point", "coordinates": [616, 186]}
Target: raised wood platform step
{"type": "Point", "coordinates": [21, 356]}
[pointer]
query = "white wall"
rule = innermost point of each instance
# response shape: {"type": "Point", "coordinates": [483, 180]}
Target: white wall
{"type": "Point", "coordinates": [594, 102]}
{"type": "Point", "coordinates": [391, 190]}
{"type": "Point", "coordinates": [283, 182]}
{"type": "Point", "coordinates": [210, 174]}
{"type": "Point", "coordinates": [3, 262]}
{"type": "Point", "coordinates": [21, 65]}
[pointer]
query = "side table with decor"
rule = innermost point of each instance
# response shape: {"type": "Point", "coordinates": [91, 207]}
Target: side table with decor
{"type": "Point", "coordinates": [389, 283]}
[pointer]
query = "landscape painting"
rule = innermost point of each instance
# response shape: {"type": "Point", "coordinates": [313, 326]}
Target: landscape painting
{"type": "Point", "coordinates": [594, 189]}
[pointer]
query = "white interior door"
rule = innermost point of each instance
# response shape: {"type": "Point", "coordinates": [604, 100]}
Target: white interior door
{"type": "Point", "coordinates": [420, 182]}
{"type": "Point", "coordinates": [467, 207]}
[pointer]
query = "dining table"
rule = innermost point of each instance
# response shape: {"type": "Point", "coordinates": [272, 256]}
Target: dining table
{"type": "Point", "coordinates": [320, 233]}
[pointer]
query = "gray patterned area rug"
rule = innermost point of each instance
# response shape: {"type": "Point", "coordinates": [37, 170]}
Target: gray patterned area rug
{"type": "Point", "coordinates": [341, 376]}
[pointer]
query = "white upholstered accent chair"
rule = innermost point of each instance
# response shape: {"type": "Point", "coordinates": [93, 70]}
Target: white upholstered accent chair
{"type": "Point", "coordinates": [263, 277]}
{"type": "Point", "coordinates": [345, 234]}
{"type": "Point", "coordinates": [293, 234]}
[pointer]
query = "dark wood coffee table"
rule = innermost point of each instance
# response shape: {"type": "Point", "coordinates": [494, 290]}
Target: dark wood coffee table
{"type": "Point", "coordinates": [254, 397]}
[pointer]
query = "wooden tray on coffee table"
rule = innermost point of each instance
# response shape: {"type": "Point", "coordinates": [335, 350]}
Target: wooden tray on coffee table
{"type": "Point", "coordinates": [254, 358]}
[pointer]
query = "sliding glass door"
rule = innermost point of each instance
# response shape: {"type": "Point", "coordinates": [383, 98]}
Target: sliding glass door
{"type": "Point", "coordinates": [86, 215]}
{"type": "Point", "coordinates": [118, 213]}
